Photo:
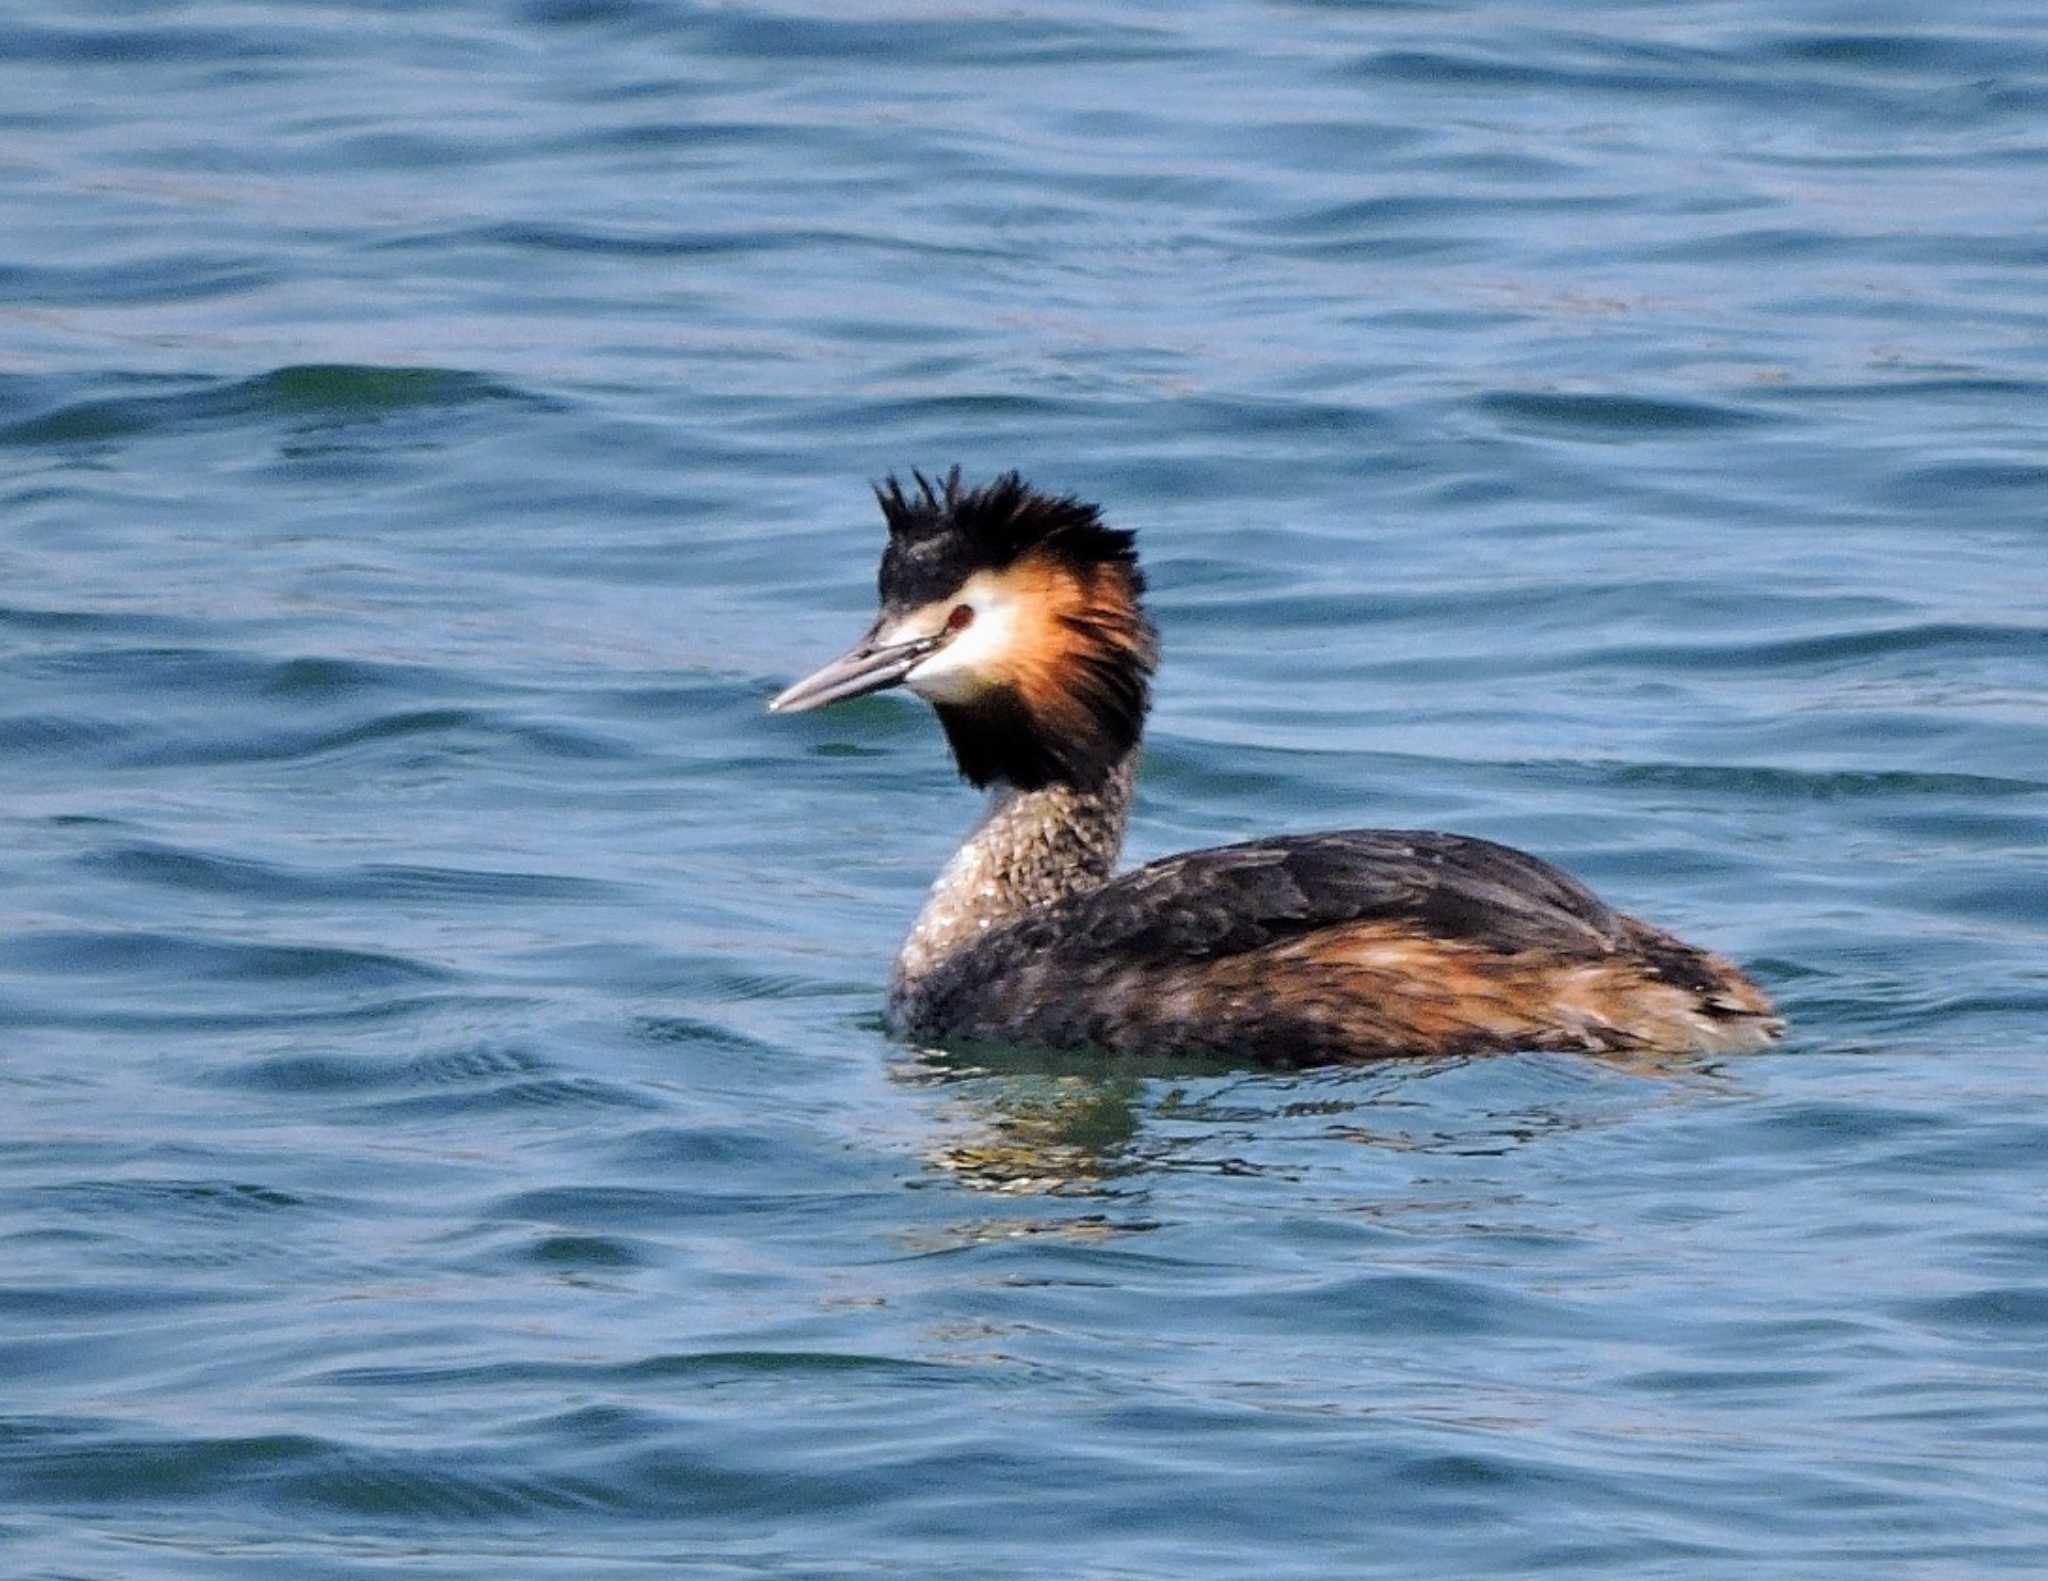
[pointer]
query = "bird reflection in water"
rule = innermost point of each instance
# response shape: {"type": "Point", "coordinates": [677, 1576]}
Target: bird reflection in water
{"type": "Point", "coordinates": [1048, 1125]}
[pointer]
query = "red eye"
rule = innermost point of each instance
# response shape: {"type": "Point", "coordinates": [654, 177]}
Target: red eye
{"type": "Point", "coordinates": [961, 618]}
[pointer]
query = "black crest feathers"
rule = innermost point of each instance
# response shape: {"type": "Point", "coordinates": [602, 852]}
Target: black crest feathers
{"type": "Point", "coordinates": [942, 533]}
{"type": "Point", "coordinates": [1073, 702]}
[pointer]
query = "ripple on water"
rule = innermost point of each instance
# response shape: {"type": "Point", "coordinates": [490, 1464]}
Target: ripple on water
{"type": "Point", "coordinates": [129, 955]}
{"type": "Point", "coordinates": [450, 729]}
{"type": "Point", "coordinates": [2017, 1312]}
{"type": "Point", "coordinates": [214, 873]}
{"type": "Point", "coordinates": [1618, 416]}
{"type": "Point", "coordinates": [337, 393]}
{"type": "Point", "coordinates": [305, 1472]}
{"type": "Point", "coordinates": [447, 1085]}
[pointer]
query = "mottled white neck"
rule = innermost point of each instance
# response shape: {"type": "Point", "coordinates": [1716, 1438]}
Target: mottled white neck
{"type": "Point", "coordinates": [1030, 849]}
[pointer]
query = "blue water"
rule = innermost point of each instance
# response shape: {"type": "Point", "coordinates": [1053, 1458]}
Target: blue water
{"type": "Point", "coordinates": [445, 1126]}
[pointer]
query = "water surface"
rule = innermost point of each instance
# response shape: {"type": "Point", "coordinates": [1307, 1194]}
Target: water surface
{"type": "Point", "coordinates": [447, 1124]}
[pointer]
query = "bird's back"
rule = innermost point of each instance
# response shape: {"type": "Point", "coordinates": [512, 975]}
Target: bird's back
{"type": "Point", "coordinates": [1350, 945]}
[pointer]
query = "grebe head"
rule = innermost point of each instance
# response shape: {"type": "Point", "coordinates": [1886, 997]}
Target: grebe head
{"type": "Point", "coordinates": [1019, 617]}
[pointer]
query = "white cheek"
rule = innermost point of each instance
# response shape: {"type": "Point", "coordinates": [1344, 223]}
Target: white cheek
{"type": "Point", "coordinates": [972, 661]}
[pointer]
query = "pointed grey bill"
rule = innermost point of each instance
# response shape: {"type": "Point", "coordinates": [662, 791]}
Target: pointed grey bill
{"type": "Point", "coordinates": [868, 667]}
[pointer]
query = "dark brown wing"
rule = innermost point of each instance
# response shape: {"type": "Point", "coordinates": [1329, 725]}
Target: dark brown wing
{"type": "Point", "coordinates": [1207, 904]}
{"type": "Point", "coordinates": [1360, 944]}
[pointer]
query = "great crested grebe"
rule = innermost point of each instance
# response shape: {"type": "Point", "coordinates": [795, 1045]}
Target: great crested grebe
{"type": "Point", "coordinates": [1018, 615]}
